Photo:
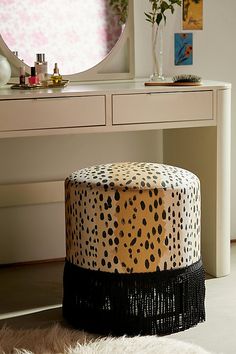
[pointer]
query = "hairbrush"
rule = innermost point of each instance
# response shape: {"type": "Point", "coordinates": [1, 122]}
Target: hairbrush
{"type": "Point", "coordinates": [186, 78]}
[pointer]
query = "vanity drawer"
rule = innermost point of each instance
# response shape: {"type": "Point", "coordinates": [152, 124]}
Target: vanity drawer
{"type": "Point", "coordinates": [46, 113]}
{"type": "Point", "coordinates": [156, 107]}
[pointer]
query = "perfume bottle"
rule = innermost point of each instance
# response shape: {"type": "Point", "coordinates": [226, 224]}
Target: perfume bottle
{"type": "Point", "coordinates": [41, 67]}
{"type": "Point", "coordinates": [33, 79]}
{"type": "Point", "coordinates": [22, 74]}
{"type": "Point", "coordinates": [56, 77]}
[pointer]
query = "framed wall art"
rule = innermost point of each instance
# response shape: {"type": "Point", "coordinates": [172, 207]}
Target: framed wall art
{"type": "Point", "coordinates": [192, 15]}
{"type": "Point", "coordinates": [183, 49]}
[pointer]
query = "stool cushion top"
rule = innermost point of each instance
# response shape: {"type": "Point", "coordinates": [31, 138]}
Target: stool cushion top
{"type": "Point", "coordinates": [132, 218]}
{"type": "Point", "coordinates": [134, 175]}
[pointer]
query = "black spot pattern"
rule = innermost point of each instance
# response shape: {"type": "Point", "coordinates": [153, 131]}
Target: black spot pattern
{"type": "Point", "coordinates": [132, 217]}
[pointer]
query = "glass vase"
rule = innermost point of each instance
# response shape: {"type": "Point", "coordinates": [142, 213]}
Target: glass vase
{"type": "Point", "coordinates": [157, 53]}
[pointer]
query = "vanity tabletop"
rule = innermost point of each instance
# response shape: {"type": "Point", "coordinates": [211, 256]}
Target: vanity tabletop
{"type": "Point", "coordinates": [104, 88]}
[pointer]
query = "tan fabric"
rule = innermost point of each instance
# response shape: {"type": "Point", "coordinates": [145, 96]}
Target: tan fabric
{"type": "Point", "coordinates": [132, 217]}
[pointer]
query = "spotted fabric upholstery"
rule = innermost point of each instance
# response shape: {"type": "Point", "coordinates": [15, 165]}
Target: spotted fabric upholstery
{"type": "Point", "coordinates": [133, 263]}
{"type": "Point", "coordinates": [132, 217]}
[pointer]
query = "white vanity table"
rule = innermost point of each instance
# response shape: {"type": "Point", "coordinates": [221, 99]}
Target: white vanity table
{"type": "Point", "coordinates": [196, 135]}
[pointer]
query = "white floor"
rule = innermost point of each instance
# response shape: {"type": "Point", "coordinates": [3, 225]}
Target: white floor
{"type": "Point", "coordinates": [30, 296]}
{"type": "Point", "coordinates": [218, 333]}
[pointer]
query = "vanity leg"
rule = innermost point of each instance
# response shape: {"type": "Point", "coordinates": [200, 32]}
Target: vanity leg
{"type": "Point", "coordinates": [223, 182]}
{"type": "Point", "coordinates": [206, 152]}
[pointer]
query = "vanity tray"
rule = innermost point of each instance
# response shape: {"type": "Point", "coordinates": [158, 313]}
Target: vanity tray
{"type": "Point", "coordinates": [44, 85]}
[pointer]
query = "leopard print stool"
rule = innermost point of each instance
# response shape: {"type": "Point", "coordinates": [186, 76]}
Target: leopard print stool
{"type": "Point", "coordinates": [133, 263]}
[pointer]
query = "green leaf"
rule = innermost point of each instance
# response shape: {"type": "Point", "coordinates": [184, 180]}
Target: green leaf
{"type": "Point", "coordinates": [164, 6]}
{"type": "Point", "coordinates": [154, 6]}
{"type": "Point", "coordinates": [159, 7]}
{"type": "Point", "coordinates": [147, 15]}
{"type": "Point", "coordinates": [159, 18]}
{"type": "Point", "coordinates": [177, 2]}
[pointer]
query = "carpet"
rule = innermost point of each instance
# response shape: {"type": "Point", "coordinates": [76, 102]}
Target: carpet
{"type": "Point", "coordinates": [61, 340]}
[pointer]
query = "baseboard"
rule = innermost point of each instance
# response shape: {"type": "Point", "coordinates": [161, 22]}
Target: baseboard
{"type": "Point", "coordinates": [31, 193]}
{"type": "Point", "coordinates": [43, 261]}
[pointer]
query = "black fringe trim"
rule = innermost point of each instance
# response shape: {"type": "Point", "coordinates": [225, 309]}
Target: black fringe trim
{"type": "Point", "coordinates": [161, 303]}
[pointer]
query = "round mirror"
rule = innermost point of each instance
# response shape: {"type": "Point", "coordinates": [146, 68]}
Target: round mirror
{"type": "Point", "coordinates": [76, 34]}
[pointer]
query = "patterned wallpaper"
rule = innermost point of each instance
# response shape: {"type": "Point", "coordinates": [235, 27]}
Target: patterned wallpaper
{"type": "Point", "coordinates": [77, 34]}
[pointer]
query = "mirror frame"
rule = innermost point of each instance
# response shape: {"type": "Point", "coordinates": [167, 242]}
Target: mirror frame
{"type": "Point", "coordinates": [117, 65]}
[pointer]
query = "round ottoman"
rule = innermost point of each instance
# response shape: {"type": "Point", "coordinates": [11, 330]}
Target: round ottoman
{"type": "Point", "coordinates": [133, 263]}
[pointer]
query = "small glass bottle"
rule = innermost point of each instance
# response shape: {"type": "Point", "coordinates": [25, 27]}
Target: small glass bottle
{"type": "Point", "coordinates": [33, 79]}
{"type": "Point", "coordinates": [22, 74]}
{"type": "Point", "coordinates": [56, 77]}
{"type": "Point", "coordinates": [41, 67]}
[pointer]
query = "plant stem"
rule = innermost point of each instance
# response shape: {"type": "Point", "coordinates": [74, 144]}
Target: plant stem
{"type": "Point", "coordinates": [154, 44]}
